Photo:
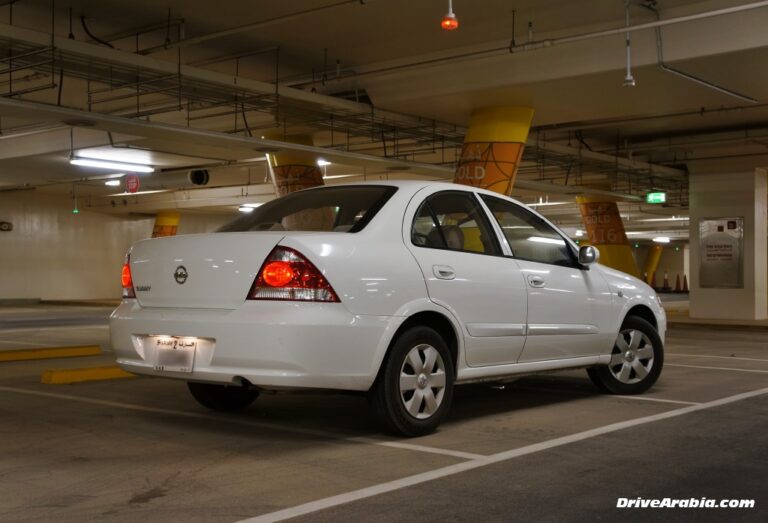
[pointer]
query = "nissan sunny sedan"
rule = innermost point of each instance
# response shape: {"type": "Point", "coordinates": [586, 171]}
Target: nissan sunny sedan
{"type": "Point", "coordinates": [401, 290]}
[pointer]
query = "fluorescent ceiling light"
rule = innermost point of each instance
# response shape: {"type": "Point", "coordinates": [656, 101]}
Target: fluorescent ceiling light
{"type": "Point", "coordinates": [544, 204]}
{"type": "Point", "coordinates": [107, 164]}
{"type": "Point", "coordinates": [246, 208]}
{"type": "Point", "coordinates": [116, 154]}
{"type": "Point", "coordinates": [671, 219]}
{"type": "Point", "coordinates": [579, 233]}
{"type": "Point", "coordinates": [139, 192]}
{"type": "Point", "coordinates": [540, 239]}
{"type": "Point", "coordinates": [322, 163]}
{"type": "Point", "coordinates": [661, 239]}
{"type": "Point", "coordinates": [251, 205]}
{"type": "Point", "coordinates": [112, 183]}
{"type": "Point", "coordinates": [340, 176]}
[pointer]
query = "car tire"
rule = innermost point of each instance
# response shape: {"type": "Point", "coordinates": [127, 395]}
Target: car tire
{"type": "Point", "coordinates": [636, 360]}
{"type": "Point", "coordinates": [414, 389]}
{"type": "Point", "coordinates": [222, 398]}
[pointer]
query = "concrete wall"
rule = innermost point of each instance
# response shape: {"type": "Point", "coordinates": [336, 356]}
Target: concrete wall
{"type": "Point", "coordinates": [52, 254]}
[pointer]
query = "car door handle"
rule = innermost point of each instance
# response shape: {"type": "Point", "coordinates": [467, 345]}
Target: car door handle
{"type": "Point", "coordinates": [536, 281]}
{"type": "Point", "coordinates": [444, 272]}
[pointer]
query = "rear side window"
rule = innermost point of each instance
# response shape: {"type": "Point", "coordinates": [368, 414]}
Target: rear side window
{"type": "Point", "coordinates": [529, 237]}
{"type": "Point", "coordinates": [329, 209]}
{"type": "Point", "coordinates": [453, 220]}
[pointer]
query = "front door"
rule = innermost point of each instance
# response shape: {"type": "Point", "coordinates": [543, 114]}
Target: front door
{"type": "Point", "coordinates": [568, 305]}
{"type": "Point", "coordinates": [459, 254]}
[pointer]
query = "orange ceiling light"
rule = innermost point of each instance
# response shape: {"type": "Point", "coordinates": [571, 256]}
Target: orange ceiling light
{"type": "Point", "coordinates": [449, 21]}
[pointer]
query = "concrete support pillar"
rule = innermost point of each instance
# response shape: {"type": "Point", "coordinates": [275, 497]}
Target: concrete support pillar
{"type": "Point", "coordinates": [166, 224]}
{"type": "Point", "coordinates": [652, 262]}
{"type": "Point", "coordinates": [728, 276]}
{"type": "Point", "coordinates": [606, 232]}
{"type": "Point", "coordinates": [493, 148]}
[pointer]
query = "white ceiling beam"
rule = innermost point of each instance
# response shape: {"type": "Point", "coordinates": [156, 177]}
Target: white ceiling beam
{"type": "Point", "coordinates": [181, 199]}
{"type": "Point", "coordinates": [57, 115]}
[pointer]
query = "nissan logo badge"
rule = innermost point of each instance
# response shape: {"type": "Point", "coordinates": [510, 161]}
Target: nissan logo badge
{"type": "Point", "coordinates": [181, 274]}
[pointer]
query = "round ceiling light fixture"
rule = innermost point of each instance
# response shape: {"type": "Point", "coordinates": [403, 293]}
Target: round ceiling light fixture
{"type": "Point", "coordinates": [449, 21]}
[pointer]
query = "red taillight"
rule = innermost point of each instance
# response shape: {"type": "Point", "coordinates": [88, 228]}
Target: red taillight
{"type": "Point", "coordinates": [127, 280]}
{"type": "Point", "coordinates": [278, 273]}
{"type": "Point", "coordinates": [288, 275]}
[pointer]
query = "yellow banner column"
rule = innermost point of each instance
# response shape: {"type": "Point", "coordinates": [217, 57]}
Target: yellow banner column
{"type": "Point", "coordinates": [606, 232]}
{"type": "Point", "coordinates": [166, 224]}
{"type": "Point", "coordinates": [493, 148]}
{"type": "Point", "coordinates": [293, 171]}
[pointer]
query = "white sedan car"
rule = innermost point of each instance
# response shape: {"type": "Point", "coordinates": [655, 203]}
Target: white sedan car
{"type": "Point", "coordinates": [398, 289]}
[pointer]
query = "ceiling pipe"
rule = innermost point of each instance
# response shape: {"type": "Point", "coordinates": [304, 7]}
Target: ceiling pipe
{"type": "Point", "coordinates": [248, 27]}
{"type": "Point", "coordinates": [233, 56]}
{"type": "Point", "coordinates": [551, 42]}
{"type": "Point", "coordinates": [629, 80]}
{"type": "Point", "coordinates": [651, 6]}
{"type": "Point", "coordinates": [613, 122]}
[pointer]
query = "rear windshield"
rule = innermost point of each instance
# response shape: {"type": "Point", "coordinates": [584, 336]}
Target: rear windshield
{"type": "Point", "coordinates": [330, 209]}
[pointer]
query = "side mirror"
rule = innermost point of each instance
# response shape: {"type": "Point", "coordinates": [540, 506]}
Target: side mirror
{"type": "Point", "coordinates": [588, 255]}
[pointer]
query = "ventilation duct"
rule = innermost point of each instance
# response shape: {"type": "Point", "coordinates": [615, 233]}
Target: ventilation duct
{"type": "Point", "coordinates": [175, 180]}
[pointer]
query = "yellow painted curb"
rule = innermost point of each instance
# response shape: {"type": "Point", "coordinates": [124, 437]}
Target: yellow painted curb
{"type": "Point", "coordinates": [59, 376]}
{"type": "Point", "coordinates": [49, 353]}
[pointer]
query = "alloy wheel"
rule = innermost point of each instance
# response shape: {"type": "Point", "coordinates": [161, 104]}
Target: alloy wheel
{"type": "Point", "coordinates": [632, 357]}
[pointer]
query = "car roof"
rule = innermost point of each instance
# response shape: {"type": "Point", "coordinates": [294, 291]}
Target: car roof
{"type": "Point", "coordinates": [413, 186]}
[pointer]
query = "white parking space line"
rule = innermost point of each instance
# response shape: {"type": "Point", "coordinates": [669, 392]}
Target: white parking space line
{"type": "Point", "coordinates": [382, 488]}
{"type": "Point", "coordinates": [596, 395]}
{"type": "Point", "coordinates": [420, 448]}
{"type": "Point", "coordinates": [250, 423]}
{"type": "Point", "coordinates": [715, 368]}
{"type": "Point", "coordinates": [719, 357]}
{"type": "Point", "coordinates": [660, 400]}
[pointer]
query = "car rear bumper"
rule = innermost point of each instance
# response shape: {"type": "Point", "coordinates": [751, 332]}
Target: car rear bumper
{"type": "Point", "coordinates": [272, 344]}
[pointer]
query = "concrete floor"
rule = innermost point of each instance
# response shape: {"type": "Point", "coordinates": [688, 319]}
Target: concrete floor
{"type": "Point", "coordinates": [546, 448]}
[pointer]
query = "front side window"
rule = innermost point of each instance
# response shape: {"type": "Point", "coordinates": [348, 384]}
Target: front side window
{"type": "Point", "coordinates": [453, 220]}
{"type": "Point", "coordinates": [529, 237]}
{"type": "Point", "coordinates": [329, 209]}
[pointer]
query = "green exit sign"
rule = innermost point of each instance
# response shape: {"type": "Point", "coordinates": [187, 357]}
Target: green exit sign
{"type": "Point", "coordinates": [656, 197]}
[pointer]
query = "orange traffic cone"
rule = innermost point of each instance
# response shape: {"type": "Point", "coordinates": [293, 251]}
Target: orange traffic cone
{"type": "Point", "coordinates": [665, 285]}
{"type": "Point", "coordinates": [678, 289]}
{"type": "Point", "coordinates": [685, 283]}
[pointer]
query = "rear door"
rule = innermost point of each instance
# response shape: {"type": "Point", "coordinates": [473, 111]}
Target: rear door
{"type": "Point", "coordinates": [568, 305]}
{"type": "Point", "coordinates": [459, 254]}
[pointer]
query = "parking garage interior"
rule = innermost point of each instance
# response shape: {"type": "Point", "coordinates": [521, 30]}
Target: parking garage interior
{"type": "Point", "coordinates": [638, 127]}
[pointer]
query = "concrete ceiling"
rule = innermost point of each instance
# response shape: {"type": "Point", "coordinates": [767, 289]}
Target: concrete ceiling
{"type": "Point", "coordinates": [393, 51]}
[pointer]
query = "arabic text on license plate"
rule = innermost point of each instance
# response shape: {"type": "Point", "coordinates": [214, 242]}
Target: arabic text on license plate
{"type": "Point", "coordinates": [174, 354]}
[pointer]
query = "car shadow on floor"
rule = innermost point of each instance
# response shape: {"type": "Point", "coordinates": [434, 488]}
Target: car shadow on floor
{"type": "Point", "coordinates": [346, 415]}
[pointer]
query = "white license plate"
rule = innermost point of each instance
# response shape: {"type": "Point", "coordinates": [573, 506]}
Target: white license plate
{"type": "Point", "coordinates": [174, 353]}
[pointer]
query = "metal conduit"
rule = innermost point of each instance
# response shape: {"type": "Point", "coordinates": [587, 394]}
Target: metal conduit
{"type": "Point", "coordinates": [550, 42]}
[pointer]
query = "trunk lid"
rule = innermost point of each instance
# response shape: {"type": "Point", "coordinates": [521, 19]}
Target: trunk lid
{"type": "Point", "coordinates": [201, 271]}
